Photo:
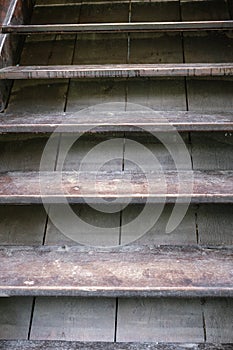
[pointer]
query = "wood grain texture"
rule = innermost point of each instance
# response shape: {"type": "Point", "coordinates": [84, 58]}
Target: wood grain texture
{"type": "Point", "coordinates": [24, 154]}
{"type": "Point", "coordinates": [125, 271]}
{"type": "Point", "coordinates": [184, 234]}
{"type": "Point", "coordinates": [64, 345]}
{"type": "Point", "coordinates": [215, 225]}
{"type": "Point", "coordinates": [218, 320]}
{"type": "Point", "coordinates": [80, 319]}
{"type": "Point", "coordinates": [115, 121]}
{"type": "Point", "coordinates": [212, 151]}
{"type": "Point", "coordinates": [101, 229]}
{"type": "Point", "coordinates": [117, 71]}
{"type": "Point", "coordinates": [29, 187]}
{"type": "Point", "coordinates": [160, 320]}
{"type": "Point", "coordinates": [22, 225]}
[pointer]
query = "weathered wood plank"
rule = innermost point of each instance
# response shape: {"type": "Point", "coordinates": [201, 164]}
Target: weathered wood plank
{"type": "Point", "coordinates": [212, 151]}
{"type": "Point", "coordinates": [117, 71]}
{"type": "Point", "coordinates": [215, 225]}
{"type": "Point", "coordinates": [218, 320]}
{"type": "Point", "coordinates": [126, 271]}
{"type": "Point", "coordinates": [22, 225]}
{"type": "Point", "coordinates": [118, 27]}
{"type": "Point", "coordinates": [83, 319]}
{"type": "Point", "coordinates": [169, 320]}
{"type": "Point", "coordinates": [122, 121]}
{"type": "Point", "coordinates": [15, 319]}
{"type": "Point", "coordinates": [63, 345]}
{"type": "Point", "coordinates": [184, 234]}
{"type": "Point", "coordinates": [30, 187]}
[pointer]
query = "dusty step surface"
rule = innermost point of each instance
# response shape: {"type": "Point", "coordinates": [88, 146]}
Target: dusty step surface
{"type": "Point", "coordinates": [117, 71]}
{"type": "Point", "coordinates": [155, 187]}
{"type": "Point", "coordinates": [124, 271]}
{"type": "Point", "coordinates": [118, 27]}
{"type": "Point", "coordinates": [121, 121]}
{"type": "Point", "coordinates": [67, 345]}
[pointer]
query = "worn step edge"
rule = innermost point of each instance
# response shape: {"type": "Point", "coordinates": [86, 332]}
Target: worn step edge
{"type": "Point", "coordinates": [118, 27]}
{"type": "Point", "coordinates": [117, 71]}
{"type": "Point", "coordinates": [126, 187]}
{"type": "Point", "coordinates": [116, 121]}
{"type": "Point", "coordinates": [168, 271]}
{"type": "Point", "coordinates": [68, 345]}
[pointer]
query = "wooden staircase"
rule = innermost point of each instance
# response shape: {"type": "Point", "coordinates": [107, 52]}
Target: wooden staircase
{"type": "Point", "coordinates": [135, 270]}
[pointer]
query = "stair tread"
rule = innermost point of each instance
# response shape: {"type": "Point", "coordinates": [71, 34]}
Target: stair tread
{"type": "Point", "coordinates": [74, 345]}
{"type": "Point", "coordinates": [125, 271]}
{"type": "Point", "coordinates": [117, 71]}
{"type": "Point", "coordinates": [30, 187]}
{"type": "Point", "coordinates": [119, 27]}
{"type": "Point", "coordinates": [116, 121]}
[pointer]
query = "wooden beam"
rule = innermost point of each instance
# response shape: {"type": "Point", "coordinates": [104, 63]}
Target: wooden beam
{"type": "Point", "coordinates": [68, 345]}
{"type": "Point", "coordinates": [118, 27]}
{"type": "Point", "coordinates": [128, 271]}
{"type": "Point", "coordinates": [117, 71]}
{"type": "Point", "coordinates": [121, 121]}
{"type": "Point", "coordinates": [30, 187]}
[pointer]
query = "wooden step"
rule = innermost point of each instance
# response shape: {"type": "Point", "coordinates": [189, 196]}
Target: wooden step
{"type": "Point", "coordinates": [67, 345]}
{"type": "Point", "coordinates": [123, 272]}
{"type": "Point", "coordinates": [121, 121]}
{"type": "Point", "coordinates": [30, 187]}
{"type": "Point", "coordinates": [118, 27]}
{"type": "Point", "coordinates": [117, 71]}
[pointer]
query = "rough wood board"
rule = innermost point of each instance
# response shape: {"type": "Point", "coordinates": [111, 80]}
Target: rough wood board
{"type": "Point", "coordinates": [126, 271]}
{"type": "Point", "coordinates": [219, 320]}
{"type": "Point", "coordinates": [215, 225]}
{"type": "Point", "coordinates": [94, 232]}
{"type": "Point", "coordinates": [117, 71]}
{"type": "Point", "coordinates": [212, 151]}
{"type": "Point", "coordinates": [159, 320]}
{"type": "Point", "coordinates": [116, 121]}
{"type": "Point", "coordinates": [65, 345]}
{"type": "Point", "coordinates": [157, 94]}
{"type": "Point", "coordinates": [15, 318]}
{"type": "Point", "coordinates": [119, 27]}
{"type": "Point", "coordinates": [184, 234]}
{"type": "Point", "coordinates": [74, 319]}
{"type": "Point", "coordinates": [24, 154]}
{"type": "Point", "coordinates": [86, 94]}
{"type": "Point", "coordinates": [159, 152]}
{"type": "Point", "coordinates": [212, 95]}
{"type": "Point", "coordinates": [29, 187]}
{"type": "Point", "coordinates": [106, 156]}
{"type": "Point", "coordinates": [22, 225]}
{"type": "Point", "coordinates": [155, 48]}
